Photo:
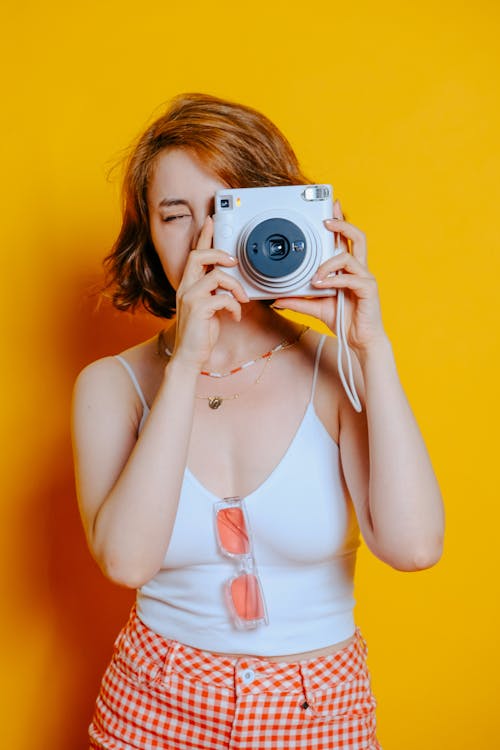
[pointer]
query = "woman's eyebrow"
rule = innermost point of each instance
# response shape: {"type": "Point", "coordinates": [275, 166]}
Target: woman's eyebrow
{"type": "Point", "coordinates": [173, 202]}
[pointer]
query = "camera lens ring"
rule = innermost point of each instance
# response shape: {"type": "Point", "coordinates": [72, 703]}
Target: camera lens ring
{"type": "Point", "coordinates": [300, 273]}
{"type": "Point", "coordinates": [275, 248]}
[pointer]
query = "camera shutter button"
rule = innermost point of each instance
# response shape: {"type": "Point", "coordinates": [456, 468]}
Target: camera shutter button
{"type": "Point", "coordinates": [226, 230]}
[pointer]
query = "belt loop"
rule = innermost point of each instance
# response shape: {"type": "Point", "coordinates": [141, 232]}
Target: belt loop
{"type": "Point", "coordinates": [172, 649]}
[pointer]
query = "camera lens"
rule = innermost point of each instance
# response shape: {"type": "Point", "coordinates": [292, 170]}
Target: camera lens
{"type": "Point", "coordinates": [275, 248]}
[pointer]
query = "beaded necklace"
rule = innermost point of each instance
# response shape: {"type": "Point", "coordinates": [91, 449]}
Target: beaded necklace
{"type": "Point", "coordinates": [216, 401]}
{"type": "Point", "coordinates": [284, 344]}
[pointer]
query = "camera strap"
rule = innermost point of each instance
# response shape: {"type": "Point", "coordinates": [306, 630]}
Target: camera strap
{"type": "Point", "coordinates": [349, 387]}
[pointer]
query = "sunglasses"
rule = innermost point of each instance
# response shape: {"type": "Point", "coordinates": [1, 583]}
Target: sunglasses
{"type": "Point", "coordinates": [243, 591]}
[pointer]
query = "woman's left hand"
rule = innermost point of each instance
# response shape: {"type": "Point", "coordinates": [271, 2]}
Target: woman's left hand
{"type": "Point", "coordinates": [362, 306]}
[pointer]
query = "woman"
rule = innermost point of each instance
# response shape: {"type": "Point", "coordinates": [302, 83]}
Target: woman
{"type": "Point", "coordinates": [232, 400]}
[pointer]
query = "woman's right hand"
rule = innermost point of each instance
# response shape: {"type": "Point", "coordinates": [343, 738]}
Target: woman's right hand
{"type": "Point", "coordinates": [197, 322]}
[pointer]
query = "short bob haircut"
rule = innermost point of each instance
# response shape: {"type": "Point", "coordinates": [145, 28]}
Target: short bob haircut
{"type": "Point", "coordinates": [235, 142]}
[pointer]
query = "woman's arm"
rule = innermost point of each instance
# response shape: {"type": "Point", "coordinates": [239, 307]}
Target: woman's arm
{"type": "Point", "coordinates": [388, 470]}
{"type": "Point", "coordinates": [385, 462]}
{"type": "Point", "coordinates": [129, 488]}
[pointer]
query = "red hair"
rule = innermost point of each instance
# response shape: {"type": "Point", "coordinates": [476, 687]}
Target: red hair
{"type": "Point", "coordinates": [242, 147]}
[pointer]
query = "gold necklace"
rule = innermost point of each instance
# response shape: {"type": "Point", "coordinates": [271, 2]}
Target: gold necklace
{"type": "Point", "coordinates": [216, 401]}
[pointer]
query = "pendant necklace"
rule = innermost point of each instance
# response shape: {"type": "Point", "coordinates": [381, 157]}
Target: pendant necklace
{"type": "Point", "coordinates": [216, 401]}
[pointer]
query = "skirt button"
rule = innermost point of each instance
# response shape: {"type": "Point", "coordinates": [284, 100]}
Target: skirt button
{"type": "Point", "coordinates": [248, 676]}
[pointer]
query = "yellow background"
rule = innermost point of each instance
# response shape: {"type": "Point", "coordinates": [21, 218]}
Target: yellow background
{"type": "Point", "coordinates": [394, 103]}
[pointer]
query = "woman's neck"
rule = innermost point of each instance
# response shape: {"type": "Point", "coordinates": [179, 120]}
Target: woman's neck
{"type": "Point", "coordinates": [260, 328]}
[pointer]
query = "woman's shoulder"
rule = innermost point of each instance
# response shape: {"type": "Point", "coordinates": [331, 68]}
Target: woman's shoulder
{"type": "Point", "coordinates": [101, 385]}
{"type": "Point", "coordinates": [323, 347]}
{"type": "Point", "coordinates": [138, 356]}
{"type": "Point", "coordinates": [329, 363]}
{"type": "Point", "coordinates": [331, 402]}
{"type": "Point", "coordinates": [114, 378]}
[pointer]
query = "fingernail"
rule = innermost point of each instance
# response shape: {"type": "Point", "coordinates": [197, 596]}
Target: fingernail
{"type": "Point", "coordinates": [277, 307]}
{"type": "Point", "coordinates": [318, 281]}
{"type": "Point", "coordinates": [332, 220]}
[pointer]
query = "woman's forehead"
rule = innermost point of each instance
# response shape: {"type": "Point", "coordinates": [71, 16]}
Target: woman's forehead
{"type": "Point", "coordinates": [178, 170]}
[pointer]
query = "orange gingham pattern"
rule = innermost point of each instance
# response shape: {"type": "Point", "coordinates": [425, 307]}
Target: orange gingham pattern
{"type": "Point", "coordinates": [158, 693]}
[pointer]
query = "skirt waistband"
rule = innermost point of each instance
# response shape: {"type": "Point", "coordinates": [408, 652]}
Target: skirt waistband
{"type": "Point", "coordinates": [151, 657]}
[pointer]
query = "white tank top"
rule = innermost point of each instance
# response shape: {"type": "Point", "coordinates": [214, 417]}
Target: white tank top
{"type": "Point", "coordinates": [305, 536]}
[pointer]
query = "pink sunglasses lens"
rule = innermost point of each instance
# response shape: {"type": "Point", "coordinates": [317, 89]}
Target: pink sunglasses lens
{"type": "Point", "coordinates": [232, 531]}
{"type": "Point", "coordinates": [246, 596]}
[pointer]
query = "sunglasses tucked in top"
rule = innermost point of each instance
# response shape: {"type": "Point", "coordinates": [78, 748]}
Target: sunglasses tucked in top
{"type": "Point", "coordinates": [243, 591]}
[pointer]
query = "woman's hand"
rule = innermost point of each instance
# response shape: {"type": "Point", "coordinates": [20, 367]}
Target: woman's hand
{"type": "Point", "coordinates": [197, 327]}
{"type": "Point", "coordinates": [362, 307]}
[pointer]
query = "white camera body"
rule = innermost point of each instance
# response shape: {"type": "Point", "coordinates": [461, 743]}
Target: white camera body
{"type": "Point", "coordinates": [278, 236]}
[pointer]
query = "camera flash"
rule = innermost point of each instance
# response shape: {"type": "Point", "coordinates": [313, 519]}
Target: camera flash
{"type": "Point", "coordinates": [238, 202]}
{"type": "Point", "coordinates": [316, 193]}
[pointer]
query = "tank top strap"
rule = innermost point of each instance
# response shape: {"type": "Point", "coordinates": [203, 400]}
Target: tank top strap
{"type": "Point", "coordinates": [319, 349]}
{"type": "Point", "coordinates": [134, 380]}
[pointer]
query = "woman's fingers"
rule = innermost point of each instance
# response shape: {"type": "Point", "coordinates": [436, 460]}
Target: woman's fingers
{"type": "Point", "coordinates": [203, 256]}
{"type": "Point", "coordinates": [217, 279]}
{"type": "Point", "coordinates": [223, 301]}
{"type": "Point", "coordinates": [198, 307]}
{"type": "Point", "coordinates": [198, 304]}
{"type": "Point", "coordinates": [342, 262]}
{"type": "Point", "coordinates": [209, 257]}
{"type": "Point", "coordinates": [206, 234]}
{"type": "Point", "coordinates": [199, 261]}
{"type": "Point", "coordinates": [363, 286]}
{"type": "Point", "coordinates": [353, 275]}
{"type": "Point", "coordinates": [350, 232]}
{"type": "Point", "coordinates": [317, 307]}
{"type": "Point", "coordinates": [200, 276]}
{"type": "Point", "coordinates": [337, 210]}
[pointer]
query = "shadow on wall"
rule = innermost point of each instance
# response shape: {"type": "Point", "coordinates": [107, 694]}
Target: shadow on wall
{"type": "Point", "coordinates": [85, 610]}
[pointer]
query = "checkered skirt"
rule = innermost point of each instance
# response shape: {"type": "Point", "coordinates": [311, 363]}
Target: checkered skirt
{"type": "Point", "coordinates": [158, 693]}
